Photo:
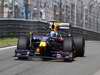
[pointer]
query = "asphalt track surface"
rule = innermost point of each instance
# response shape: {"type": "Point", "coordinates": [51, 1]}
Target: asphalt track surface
{"type": "Point", "coordinates": [88, 65]}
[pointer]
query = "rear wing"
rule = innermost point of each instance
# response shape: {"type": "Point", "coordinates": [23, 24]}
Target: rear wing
{"type": "Point", "coordinates": [61, 25]}
{"type": "Point", "coordinates": [64, 26]}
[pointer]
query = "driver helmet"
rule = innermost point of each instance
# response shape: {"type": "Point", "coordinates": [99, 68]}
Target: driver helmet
{"type": "Point", "coordinates": [53, 34]}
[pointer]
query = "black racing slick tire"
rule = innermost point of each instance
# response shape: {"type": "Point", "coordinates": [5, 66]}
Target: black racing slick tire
{"type": "Point", "coordinates": [23, 42]}
{"type": "Point", "coordinates": [79, 46]}
{"type": "Point", "coordinates": [68, 49]}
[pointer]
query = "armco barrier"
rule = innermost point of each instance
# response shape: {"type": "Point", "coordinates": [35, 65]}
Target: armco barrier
{"type": "Point", "coordinates": [13, 27]}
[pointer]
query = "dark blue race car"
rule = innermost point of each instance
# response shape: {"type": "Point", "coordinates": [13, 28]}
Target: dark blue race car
{"type": "Point", "coordinates": [51, 46]}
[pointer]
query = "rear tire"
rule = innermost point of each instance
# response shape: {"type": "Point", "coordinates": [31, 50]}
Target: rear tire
{"type": "Point", "coordinates": [68, 49]}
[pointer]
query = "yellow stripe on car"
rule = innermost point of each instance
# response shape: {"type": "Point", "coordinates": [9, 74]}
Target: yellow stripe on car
{"type": "Point", "coordinates": [42, 44]}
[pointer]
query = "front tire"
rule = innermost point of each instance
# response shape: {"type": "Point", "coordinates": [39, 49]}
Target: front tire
{"type": "Point", "coordinates": [23, 42]}
{"type": "Point", "coordinates": [79, 46]}
{"type": "Point", "coordinates": [68, 49]}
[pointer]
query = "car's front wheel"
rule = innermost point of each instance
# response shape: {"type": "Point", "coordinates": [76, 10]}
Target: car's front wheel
{"type": "Point", "coordinates": [68, 49]}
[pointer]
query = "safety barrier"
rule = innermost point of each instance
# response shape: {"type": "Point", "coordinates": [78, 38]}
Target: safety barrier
{"type": "Point", "coordinates": [16, 27]}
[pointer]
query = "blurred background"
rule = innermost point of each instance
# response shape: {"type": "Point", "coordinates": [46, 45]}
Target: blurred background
{"type": "Point", "coordinates": [17, 16]}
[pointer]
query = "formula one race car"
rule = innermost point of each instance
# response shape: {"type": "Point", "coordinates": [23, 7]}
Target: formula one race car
{"type": "Point", "coordinates": [51, 46]}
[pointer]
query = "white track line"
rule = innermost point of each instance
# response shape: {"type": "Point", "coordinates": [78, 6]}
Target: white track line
{"type": "Point", "coordinates": [5, 48]}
